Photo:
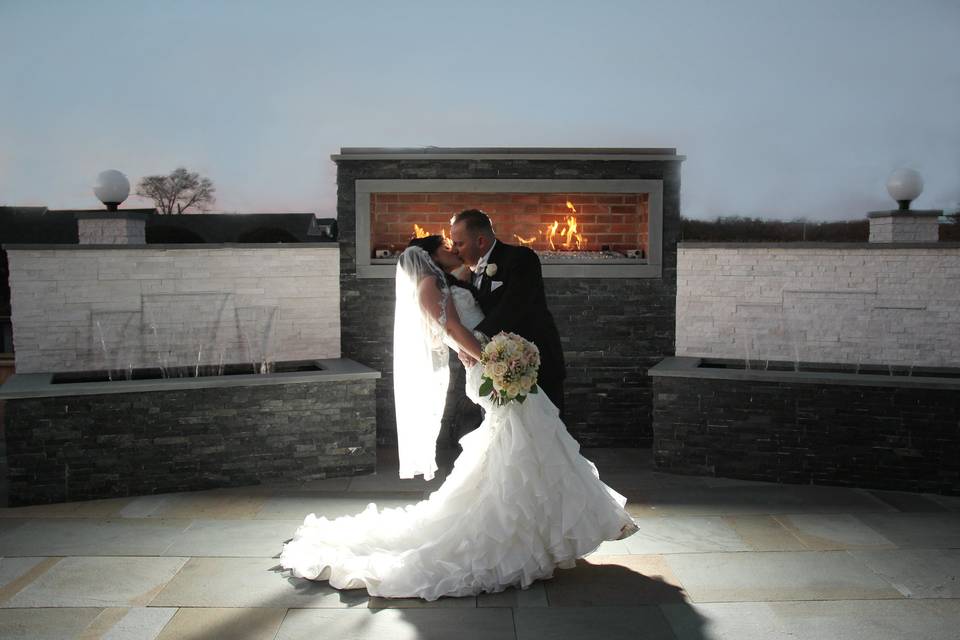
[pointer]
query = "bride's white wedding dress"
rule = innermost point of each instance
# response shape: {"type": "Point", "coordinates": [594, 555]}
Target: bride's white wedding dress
{"type": "Point", "coordinates": [519, 502]}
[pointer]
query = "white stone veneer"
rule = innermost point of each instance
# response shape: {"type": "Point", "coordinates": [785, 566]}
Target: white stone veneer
{"type": "Point", "coordinates": [81, 309]}
{"type": "Point", "coordinates": [904, 228]}
{"type": "Point", "coordinates": [111, 230]}
{"type": "Point", "coordinates": [848, 305]}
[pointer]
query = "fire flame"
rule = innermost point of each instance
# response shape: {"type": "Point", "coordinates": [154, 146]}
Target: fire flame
{"type": "Point", "coordinates": [550, 232]}
{"type": "Point", "coordinates": [420, 232]}
{"type": "Point", "coordinates": [569, 234]}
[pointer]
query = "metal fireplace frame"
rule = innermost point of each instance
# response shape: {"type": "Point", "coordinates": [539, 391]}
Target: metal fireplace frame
{"type": "Point", "coordinates": [650, 267]}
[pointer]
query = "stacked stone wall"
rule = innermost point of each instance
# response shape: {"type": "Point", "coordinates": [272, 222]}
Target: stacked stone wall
{"type": "Point", "coordinates": [83, 308]}
{"type": "Point", "coordinates": [103, 446]}
{"type": "Point", "coordinates": [882, 437]}
{"type": "Point", "coordinates": [854, 304]}
{"type": "Point", "coordinates": [613, 330]}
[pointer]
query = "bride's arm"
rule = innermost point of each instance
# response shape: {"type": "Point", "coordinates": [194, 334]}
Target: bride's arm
{"type": "Point", "coordinates": [462, 273]}
{"type": "Point", "coordinates": [430, 299]}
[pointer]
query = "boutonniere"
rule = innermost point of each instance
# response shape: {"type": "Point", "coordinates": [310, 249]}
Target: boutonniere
{"type": "Point", "coordinates": [491, 270]}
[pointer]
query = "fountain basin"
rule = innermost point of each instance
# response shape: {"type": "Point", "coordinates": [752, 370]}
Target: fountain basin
{"type": "Point", "coordinates": [94, 439]}
{"type": "Point", "coordinates": [198, 371]}
{"type": "Point", "coordinates": [805, 423]}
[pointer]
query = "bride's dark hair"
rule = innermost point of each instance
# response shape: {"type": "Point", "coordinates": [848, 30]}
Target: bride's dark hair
{"type": "Point", "coordinates": [430, 244]}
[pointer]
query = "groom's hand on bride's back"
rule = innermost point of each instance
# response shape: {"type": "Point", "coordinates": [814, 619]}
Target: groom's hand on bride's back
{"type": "Point", "coordinates": [467, 359]}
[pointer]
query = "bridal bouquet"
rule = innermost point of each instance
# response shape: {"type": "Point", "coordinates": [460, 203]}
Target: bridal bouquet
{"type": "Point", "coordinates": [510, 365]}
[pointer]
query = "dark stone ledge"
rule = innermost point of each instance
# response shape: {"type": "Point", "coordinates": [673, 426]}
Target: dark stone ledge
{"type": "Point", "coordinates": [839, 246]}
{"type": "Point", "coordinates": [180, 247]}
{"type": "Point", "coordinates": [38, 385]}
{"type": "Point", "coordinates": [689, 367]}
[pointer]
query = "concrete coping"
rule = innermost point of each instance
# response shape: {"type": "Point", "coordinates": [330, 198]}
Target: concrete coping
{"type": "Point", "coordinates": [909, 213]}
{"type": "Point", "coordinates": [39, 385]}
{"type": "Point", "coordinates": [658, 151]}
{"type": "Point", "coordinates": [689, 367]}
{"type": "Point", "coordinates": [838, 246]}
{"type": "Point", "coordinates": [188, 246]}
{"type": "Point", "coordinates": [119, 214]}
{"type": "Point", "coordinates": [638, 154]}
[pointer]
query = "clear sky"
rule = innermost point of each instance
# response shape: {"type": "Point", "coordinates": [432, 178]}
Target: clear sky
{"type": "Point", "coordinates": [784, 108]}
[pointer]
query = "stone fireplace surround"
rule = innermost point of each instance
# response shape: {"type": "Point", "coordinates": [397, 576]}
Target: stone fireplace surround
{"type": "Point", "coordinates": [615, 319]}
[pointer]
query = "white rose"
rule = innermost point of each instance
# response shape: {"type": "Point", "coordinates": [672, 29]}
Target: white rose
{"type": "Point", "coordinates": [513, 389]}
{"type": "Point", "coordinates": [499, 368]}
{"type": "Point", "coordinates": [491, 270]}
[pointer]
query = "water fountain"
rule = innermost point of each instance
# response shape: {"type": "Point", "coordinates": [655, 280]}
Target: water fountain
{"type": "Point", "coordinates": [164, 368]}
{"type": "Point", "coordinates": [846, 384]}
{"type": "Point", "coordinates": [187, 425]}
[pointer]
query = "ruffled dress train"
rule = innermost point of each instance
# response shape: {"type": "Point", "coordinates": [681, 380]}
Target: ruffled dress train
{"type": "Point", "coordinates": [519, 502]}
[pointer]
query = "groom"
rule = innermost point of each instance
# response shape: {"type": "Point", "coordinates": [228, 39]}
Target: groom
{"type": "Point", "coordinates": [511, 294]}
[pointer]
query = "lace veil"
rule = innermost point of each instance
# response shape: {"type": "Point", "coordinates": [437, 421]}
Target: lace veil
{"type": "Point", "coordinates": [420, 365]}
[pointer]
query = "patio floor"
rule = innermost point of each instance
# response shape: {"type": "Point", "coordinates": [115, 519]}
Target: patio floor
{"type": "Point", "coordinates": [714, 559]}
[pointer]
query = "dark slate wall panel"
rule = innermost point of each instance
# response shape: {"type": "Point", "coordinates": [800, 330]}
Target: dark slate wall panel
{"type": "Point", "coordinates": [79, 448]}
{"type": "Point", "coordinates": [859, 436]}
{"type": "Point", "coordinates": [613, 330]}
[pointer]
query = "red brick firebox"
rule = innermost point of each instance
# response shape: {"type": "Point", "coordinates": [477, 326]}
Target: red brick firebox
{"type": "Point", "coordinates": [614, 222]}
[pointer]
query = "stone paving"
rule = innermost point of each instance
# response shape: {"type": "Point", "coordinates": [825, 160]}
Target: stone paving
{"type": "Point", "coordinates": [713, 559]}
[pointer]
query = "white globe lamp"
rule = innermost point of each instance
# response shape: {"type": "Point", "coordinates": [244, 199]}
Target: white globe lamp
{"type": "Point", "coordinates": [112, 188]}
{"type": "Point", "coordinates": [904, 185]}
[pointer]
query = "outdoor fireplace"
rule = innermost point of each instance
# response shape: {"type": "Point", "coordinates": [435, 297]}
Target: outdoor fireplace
{"type": "Point", "coordinates": [579, 226]}
{"type": "Point", "coordinates": [604, 223]}
{"type": "Point", "coordinates": [599, 223]}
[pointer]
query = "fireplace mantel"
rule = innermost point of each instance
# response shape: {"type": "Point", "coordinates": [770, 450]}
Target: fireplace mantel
{"type": "Point", "coordinates": [654, 154]}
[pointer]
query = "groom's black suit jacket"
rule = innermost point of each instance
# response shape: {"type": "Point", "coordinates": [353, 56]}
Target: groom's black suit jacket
{"type": "Point", "coordinates": [519, 305]}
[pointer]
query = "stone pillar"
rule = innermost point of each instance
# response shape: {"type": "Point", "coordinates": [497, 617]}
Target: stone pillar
{"type": "Point", "coordinates": [112, 227]}
{"type": "Point", "coordinates": [904, 226]}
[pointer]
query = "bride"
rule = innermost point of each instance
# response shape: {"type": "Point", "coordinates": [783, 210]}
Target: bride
{"type": "Point", "coordinates": [520, 500]}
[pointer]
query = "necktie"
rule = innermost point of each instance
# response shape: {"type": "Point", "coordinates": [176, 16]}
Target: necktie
{"type": "Point", "coordinates": [478, 275]}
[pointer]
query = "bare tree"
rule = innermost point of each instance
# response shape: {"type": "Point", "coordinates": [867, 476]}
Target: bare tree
{"type": "Point", "coordinates": [178, 191]}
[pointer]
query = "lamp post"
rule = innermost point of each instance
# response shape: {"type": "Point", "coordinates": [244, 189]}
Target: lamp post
{"type": "Point", "coordinates": [112, 188]}
{"type": "Point", "coordinates": [904, 225]}
{"type": "Point", "coordinates": [112, 226]}
{"type": "Point", "coordinates": [904, 185]}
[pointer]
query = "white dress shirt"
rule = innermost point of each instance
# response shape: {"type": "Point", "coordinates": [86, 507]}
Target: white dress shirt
{"type": "Point", "coordinates": [482, 265]}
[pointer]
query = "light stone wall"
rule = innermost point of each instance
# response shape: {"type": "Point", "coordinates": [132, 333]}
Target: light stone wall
{"type": "Point", "coordinates": [904, 229]}
{"type": "Point", "coordinates": [897, 306]}
{"type": "Point", "coordinates": [88, 309]}
{"type": "Point", "coordinates": [111, 230]}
